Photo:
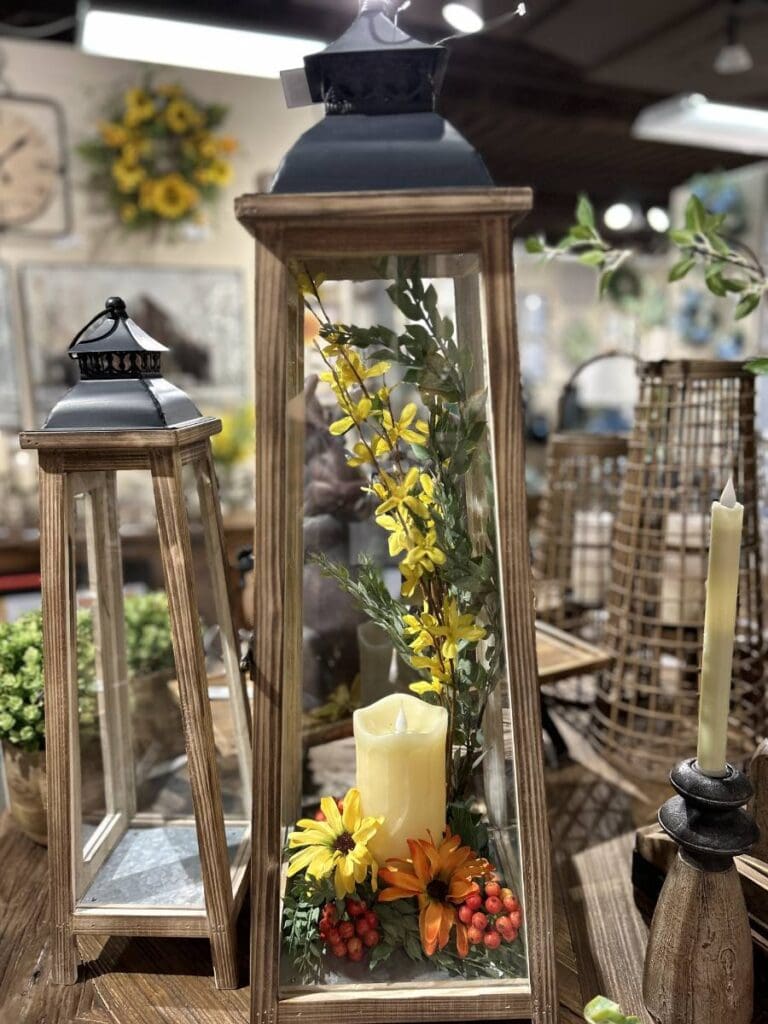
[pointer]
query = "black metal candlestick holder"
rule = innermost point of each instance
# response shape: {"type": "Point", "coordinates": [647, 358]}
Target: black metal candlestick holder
{"type": "Point", "coordinates": [698, 965]}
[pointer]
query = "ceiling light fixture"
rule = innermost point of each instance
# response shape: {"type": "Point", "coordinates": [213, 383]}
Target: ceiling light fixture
{"type": "Point", "coordinates": [658, 219]}
{"type": "Point", "coordinates": [692, 120]}
{"type": "Point", "coordinates": [189, 44]}
{"type": "Point", "coordinates": [618, 217]}
{"type": "Point", "coordinates": [733, 58]}
{"type": "Point", "coordinates": [465, 18]}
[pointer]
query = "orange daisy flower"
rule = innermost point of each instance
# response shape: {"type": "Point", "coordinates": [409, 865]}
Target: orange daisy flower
{"type": "Point", "coordinates": [440, 877]}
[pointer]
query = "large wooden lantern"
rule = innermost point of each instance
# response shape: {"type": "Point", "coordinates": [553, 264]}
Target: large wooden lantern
{"type": "Point", "coordinates": [401, 873]}
{"type": "Point", "coordinates": [146, 836]}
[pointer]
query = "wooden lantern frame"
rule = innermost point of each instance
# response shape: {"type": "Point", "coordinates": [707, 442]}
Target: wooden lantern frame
{"type": "Point", "coordinates": [324, 227]}
{"type": "Point", "coordinates": [85, 463]}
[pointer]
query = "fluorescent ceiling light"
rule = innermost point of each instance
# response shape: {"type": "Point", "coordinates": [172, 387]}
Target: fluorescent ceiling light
{"type": "Point", "coordinates": [463, 17]}
{"type": "Point", "coordinates": [693, 121]}
{"type": "Point", "coordinates": [190, 44]}
{"type": "Point", "coordinates": [618, 217]}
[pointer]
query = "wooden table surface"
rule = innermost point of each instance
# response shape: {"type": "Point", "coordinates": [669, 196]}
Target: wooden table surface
{"type": "Point", "coordinates": [599, 934]}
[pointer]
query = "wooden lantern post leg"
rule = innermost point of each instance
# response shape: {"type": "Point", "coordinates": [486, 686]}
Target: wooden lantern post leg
{"type": "Point", "coordinates": [517, 604]}
{"type": "Point", "coordinates": [61, 722]}
{"type": "Point", "coordinates": [176, 550]}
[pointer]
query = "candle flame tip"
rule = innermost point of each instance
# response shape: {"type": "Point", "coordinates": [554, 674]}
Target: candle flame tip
{"type": "Point", "coordinates": [728, 497]}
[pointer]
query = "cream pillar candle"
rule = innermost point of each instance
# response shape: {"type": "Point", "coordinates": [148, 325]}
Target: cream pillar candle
{"type": "Point", "coordinates": [719, 632]}
{"type": "Point", "coordinates": [400, 749]}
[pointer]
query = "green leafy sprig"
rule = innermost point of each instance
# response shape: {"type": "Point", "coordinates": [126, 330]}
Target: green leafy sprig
{"type": "Point", "coordinates": [440, 369]}
{"type": "Point", "coordinates": [304, 898]}
{"type": "Point", "coordinates": [584, 243]}
{"type": "Point", "coordinates": [728, 268]}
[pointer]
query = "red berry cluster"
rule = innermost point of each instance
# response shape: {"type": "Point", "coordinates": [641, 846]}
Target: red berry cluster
{"type": "Point", "coordinates": [352, 936]}
{"type": "Point", "coordinates": [491, 914]}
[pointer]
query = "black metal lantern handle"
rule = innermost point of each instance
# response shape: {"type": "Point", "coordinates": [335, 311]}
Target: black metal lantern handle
{"type": "Point", "coordinates": [114, 308]}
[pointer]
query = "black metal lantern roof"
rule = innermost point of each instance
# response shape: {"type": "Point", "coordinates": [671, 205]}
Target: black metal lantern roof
{"type": "Point", "coordinates": [380, 132]}
{"type": "Point", "coordinates": [121, 386]}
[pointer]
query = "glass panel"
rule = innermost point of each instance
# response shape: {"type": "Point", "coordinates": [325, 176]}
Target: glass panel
{"type": "Point", "coordinates": [149, 856]}
{"type": "Point", "coordinates": [404, 685]}
{"type": "Point", "coordinates": [96, 798]}
{"type": "Point", "coordinates": [229, 710]}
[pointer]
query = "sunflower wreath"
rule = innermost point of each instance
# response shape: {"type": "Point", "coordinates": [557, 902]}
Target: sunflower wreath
{"type": "Point", "coordinates": [157, 159]}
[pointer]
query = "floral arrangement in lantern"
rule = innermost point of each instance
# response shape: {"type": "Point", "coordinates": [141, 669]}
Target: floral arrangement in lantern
{"type": "Point", "coordinates": [157, 158]}
{"type": "Point", "coordinates": [359, 884]}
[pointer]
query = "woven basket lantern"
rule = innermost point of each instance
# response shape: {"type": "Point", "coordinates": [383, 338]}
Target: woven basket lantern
{"type": "Point", "coordinates": [575, 521]}
{"type": "Point", "coordinates": [694, 427]}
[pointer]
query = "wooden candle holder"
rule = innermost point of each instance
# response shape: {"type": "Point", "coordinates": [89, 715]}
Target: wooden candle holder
{"type": "Point", "coordinates": [698, 965]}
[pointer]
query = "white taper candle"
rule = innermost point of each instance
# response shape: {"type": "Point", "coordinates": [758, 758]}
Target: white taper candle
{"type": "Point", "coordinates": [719, 632]}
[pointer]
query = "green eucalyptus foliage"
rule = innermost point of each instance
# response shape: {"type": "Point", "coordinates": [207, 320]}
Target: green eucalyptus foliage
{"type": "Point", "coordinates": [728, 269]}
{"type": "Point", "coordinates": [22, 721]}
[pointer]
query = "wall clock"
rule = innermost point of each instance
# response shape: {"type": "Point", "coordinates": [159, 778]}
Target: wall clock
{"type": "Point", "coordinates": [34, 183]}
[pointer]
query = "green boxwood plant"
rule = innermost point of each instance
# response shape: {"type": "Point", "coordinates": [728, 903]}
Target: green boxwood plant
{"type": "Point", "coordinates": [22, 721]}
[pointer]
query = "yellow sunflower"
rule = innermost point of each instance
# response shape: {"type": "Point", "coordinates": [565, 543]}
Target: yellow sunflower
{"type": "Point", "coordinates": [337, 846]}
{"type": "Point", "coordinates": [139, 108]}
{"type": "Point", "coordinates": [181, 116]}
{"type": "Point", "coordinates": [113, 135]}
{"type": "Point", "coordinates": [219, 172]}
{"type": "Point", "coordinates": [173, 196]}
{"type": "Point", "coordinates": [127, 178]}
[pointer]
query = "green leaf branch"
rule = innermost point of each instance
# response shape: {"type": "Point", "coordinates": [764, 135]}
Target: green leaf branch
{"type": "Point", "coordinates": [729, 268]}
{"type": "Point", "coordinates": [584, 243]}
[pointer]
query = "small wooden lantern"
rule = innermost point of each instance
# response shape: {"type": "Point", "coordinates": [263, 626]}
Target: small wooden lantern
{"type": "Point", "coordinates": [694, 427]}
{"type": "Point", "coordinates": [135, 848]}
{"type": "Point", "coordinates": [380, 217]}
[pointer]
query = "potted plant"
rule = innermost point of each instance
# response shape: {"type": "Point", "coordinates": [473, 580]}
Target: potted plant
{"type": "Point", "coordinates": [151, 667]}
{"type": "Point", "coordinates": [22, 723]}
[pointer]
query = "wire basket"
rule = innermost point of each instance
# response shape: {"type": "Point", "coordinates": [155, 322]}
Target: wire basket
{"type": "Point", "coordinates": [694, 427]}
{"type": "Point", "coordinates": [575, 522]}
